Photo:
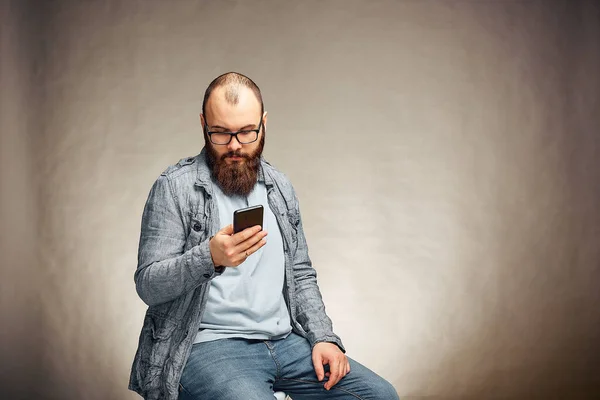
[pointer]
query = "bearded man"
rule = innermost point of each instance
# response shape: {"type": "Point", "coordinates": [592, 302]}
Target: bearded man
{"type": "Point", "coordinates": [234, 315]}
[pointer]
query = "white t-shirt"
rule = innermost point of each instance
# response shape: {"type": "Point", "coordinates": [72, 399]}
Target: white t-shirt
{"type": "Point", "coordinates": [247, 301]}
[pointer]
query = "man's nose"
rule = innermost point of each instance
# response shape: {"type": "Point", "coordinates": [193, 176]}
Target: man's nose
{"type": "Point", "coordinates": [234, 144]}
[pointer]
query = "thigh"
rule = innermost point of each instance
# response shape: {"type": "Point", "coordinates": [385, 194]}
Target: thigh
{"type": "Point", "coordinates": [299, 380]}
{"type": "Point", "coordinates": [228, 369]}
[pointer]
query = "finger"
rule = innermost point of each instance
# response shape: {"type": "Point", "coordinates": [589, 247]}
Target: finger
{"type": "Point", "coordinates": [255, 247]}
{"type": "Point", "coordinates": [334, 368]}
{"type": "Point", "coordinates": [318, 364]}
{"type": "Point", "coordinates": [250, 242]}
{"type": "Point", "coordinates": [245, 234]}
{"type": "Point", "coordinates": [227, 230]}
{"type": "Point", "coordinates": [342, 370]}
{"type": "Point", "coordinates": [347, 367]}
{"type": "Point", "coordinates": [239, 255]}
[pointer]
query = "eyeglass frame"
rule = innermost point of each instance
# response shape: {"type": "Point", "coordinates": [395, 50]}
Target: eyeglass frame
{"type": "Point", "coordinates": [232, 134]}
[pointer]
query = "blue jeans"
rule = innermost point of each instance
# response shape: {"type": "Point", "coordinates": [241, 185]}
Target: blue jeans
{"type": "Point", "coordinates": [241, 369]}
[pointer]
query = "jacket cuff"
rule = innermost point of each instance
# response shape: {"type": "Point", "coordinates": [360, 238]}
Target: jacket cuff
{"type": "Point", "coordinates": [329, 339]}
{"type": "Point", "coordinates": [202, 264]}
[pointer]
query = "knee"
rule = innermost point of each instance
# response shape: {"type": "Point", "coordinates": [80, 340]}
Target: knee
{"type": "Point", "coordinates": [385, 391]}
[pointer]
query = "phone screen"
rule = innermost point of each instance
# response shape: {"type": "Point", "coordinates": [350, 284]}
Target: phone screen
{"type": "Point", "coordinates": [247, 217]}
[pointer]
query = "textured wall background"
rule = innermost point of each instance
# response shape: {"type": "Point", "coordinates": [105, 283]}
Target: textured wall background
{"type": "Point", "coordinates": [20, 269]}
{"type": "Point", "coordinates": [446, 155]}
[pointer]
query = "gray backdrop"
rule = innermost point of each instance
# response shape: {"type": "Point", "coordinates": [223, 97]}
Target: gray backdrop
{"type": "Point", "coordinates": [446, 155]}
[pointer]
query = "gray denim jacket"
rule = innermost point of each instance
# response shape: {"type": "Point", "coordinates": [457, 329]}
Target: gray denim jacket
{"type": "Point", "coordinates": [175, 268]}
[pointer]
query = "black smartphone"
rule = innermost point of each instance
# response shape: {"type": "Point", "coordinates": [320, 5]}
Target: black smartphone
{"type": "Point", "coordinates": [247, 217]}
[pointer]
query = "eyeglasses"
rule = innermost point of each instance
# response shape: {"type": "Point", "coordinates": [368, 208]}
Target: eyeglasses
{"type": "Point", "coordinates": [244, 137]}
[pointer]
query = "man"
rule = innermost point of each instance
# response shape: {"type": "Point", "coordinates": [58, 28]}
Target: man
{"type": "Point", "coordinates": [234, 316]}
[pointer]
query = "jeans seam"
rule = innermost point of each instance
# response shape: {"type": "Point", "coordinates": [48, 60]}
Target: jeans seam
{"type": "Point", "coordinates": [317, 383]}
{"type": "Point", "coordinates": [183, 389]}
{"type": "Point", "coordinates": [271, 349]}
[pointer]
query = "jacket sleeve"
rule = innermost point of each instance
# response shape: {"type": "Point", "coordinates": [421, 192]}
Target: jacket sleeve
{"type": "Point", "coordinates": [164, 271]}
{"type": "Point", "coordinates": [310, 309]}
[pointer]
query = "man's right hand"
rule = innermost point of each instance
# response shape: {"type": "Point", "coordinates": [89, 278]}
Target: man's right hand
{"type": "Point", "coordinates": [230, 250]}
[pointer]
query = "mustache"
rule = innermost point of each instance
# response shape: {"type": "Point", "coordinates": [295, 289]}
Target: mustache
{"type": "Point", "coordinates": [235, 154]}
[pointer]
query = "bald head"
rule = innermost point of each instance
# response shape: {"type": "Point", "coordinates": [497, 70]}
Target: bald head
{"type": "Point", "coordinates": [230, 85]}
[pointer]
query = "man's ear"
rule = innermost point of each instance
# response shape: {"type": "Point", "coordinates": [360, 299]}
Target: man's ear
{"type": "Point", "coordinates": [265, 119]}
{"type": "Point", "coordinates": [202, 122]}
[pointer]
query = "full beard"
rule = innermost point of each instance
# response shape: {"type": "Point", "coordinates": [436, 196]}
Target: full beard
{"type": "Point", "coordinates": [239, 177]}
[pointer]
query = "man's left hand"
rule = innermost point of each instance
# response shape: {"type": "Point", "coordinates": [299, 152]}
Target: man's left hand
{"type": "Point", "coordinates": [328, 353]}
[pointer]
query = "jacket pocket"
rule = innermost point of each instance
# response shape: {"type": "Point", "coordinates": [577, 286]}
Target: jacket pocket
{"type": "Point", "coordinates": [197, 232]}
{"type": "Point", "coordinates": [154, 348]}
{"type": "Point", "coordinates": [294, 221]}
{"type": "Point", "coordinates": [157, 333]}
